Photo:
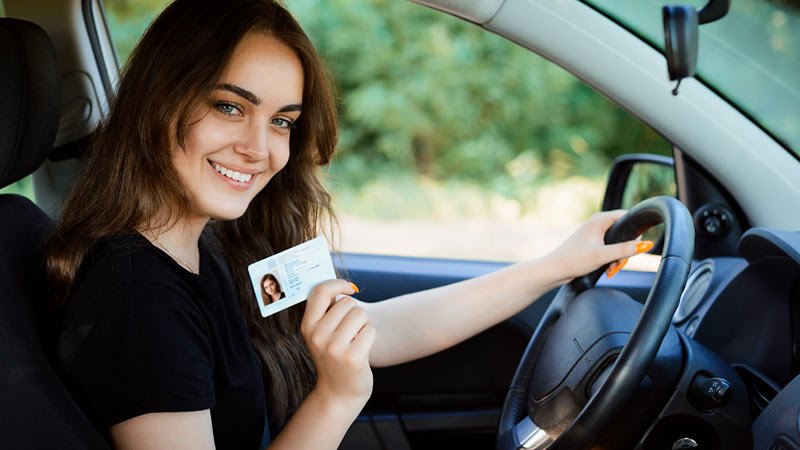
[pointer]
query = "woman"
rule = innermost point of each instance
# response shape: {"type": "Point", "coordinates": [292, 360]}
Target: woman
{"type": "Point", "coordinates": [223, 115]}
{"type": "Point", "coordinates": [270, 289]}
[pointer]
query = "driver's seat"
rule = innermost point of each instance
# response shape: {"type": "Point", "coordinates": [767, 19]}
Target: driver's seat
{"type": "Point", "coordinates": [36, 410]}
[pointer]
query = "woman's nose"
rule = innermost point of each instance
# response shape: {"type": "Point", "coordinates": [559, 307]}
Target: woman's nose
{"type": "Point", "coordinates": [255, 144]}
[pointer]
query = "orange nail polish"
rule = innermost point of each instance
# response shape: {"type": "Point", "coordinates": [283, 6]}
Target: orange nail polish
{"type": "Point", "coordinates": [644, 246]}
{"type": "Point", "coordinates": [616, 267]}
{"type": "Point", "coordinates": [355, 288]}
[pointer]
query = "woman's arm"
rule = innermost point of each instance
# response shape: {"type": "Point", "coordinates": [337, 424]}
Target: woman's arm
{"type": "Point", "coordinates": [339, 338]}
{"type": "Point", "coordinates": [191, 429]}
{"type": "Point", "coordinates": [416, 325]}
{"type": "Point", "coordinates": [319, 423]}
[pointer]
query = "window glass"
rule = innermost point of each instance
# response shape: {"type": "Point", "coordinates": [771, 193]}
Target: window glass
{"type": "Point", "coordinates": [751, 56]}
{"type": "Point", "coordinates": [454, 142]}
{"type": "Point", "coordinates": [22, 187]}
{"type": "Point", "coordinates": [128, 20]}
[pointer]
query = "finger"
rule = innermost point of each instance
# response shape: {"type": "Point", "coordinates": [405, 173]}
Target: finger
{"type": "Point", "coordinates": [622, 250]}
{"type": "Point", "coordinates": [362, 344]}
{"type": "Point", "coordinates": [333, 317]}
{"type": "Point", "coordinates": [321, 297]}
{"type": "Point", "coordinates": [619, 251]}
{"type": "Point", "coordinates": [615, 267]}
{"type": "Point", "coordinates": [348, 328]}
{"type": "Point", "coordinates": [609, 217]}
{"type": "Point", "coordinates": [644, 246]}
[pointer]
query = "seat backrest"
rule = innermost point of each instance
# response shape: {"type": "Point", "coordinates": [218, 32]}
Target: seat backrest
{"type": "Point", "coordinates": [36, 409]}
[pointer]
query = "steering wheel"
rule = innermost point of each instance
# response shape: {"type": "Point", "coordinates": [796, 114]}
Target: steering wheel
{"type": "Point", "coordinates": [543, 408]}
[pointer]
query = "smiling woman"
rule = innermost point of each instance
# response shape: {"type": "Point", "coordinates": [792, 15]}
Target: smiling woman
{"type": "Point", "coordinates": [243, 103]}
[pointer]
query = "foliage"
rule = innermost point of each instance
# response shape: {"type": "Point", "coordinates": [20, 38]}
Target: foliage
{"type": "Point", "coordinates": [648, 180]}
{"type": "Point", "coordinates": [424, 93]}
{"type": "Point", "coordinates": [128, 19]}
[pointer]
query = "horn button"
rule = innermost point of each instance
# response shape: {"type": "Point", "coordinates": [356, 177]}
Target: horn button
{"type": "Point", "coordinates": [580, 351]}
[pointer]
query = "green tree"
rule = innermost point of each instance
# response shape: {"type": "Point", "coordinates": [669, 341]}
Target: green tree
{"type": "Point", "coordinates": [424, 93]}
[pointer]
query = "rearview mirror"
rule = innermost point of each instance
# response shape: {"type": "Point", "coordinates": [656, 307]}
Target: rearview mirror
{"type": "Point", "coordinates": [680, 40]}
{"type": "Point", "coordinates": [681, 24]}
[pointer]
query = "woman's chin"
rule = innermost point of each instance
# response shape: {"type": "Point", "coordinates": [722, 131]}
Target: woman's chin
{"type": "Point", "coordinates": [228, 213]}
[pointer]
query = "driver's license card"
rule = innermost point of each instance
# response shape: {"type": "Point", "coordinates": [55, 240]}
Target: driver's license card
{"type": "Point", "coordinates": [285, 279]}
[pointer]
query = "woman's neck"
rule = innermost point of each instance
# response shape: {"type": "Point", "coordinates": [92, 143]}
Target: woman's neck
{"type": "Point", "coordinates": [179, 240]}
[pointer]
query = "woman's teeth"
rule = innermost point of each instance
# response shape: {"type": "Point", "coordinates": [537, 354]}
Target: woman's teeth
{"type": "Point", "coordinates": [233, 175]}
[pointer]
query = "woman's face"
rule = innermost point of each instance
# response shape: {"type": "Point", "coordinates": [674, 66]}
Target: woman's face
{"type": "Point", "coordinates": [239, 136]}
{"type": "Point", "coordinates": [270, 287]}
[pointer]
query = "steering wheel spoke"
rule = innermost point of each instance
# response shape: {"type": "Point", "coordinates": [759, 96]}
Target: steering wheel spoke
{"type": "Point", "coordinates": [530, 436]}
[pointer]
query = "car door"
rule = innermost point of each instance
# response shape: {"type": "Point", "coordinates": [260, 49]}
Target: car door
{"type": "Point", "coordinates": [451, 399]}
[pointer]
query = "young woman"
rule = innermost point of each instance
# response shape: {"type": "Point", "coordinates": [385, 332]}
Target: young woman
{"type": "Point", "coordinates": [223, 115]}
{"type": "Point", "coordinates": [270, 289]}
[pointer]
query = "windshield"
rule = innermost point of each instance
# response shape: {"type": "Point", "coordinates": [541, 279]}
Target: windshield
{"type": "Point", "coordinates": [751, 56]}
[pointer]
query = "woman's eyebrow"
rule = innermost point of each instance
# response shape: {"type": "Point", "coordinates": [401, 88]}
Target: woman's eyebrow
{"type": "Point", "coordinates": [292, 107]}
{"type": "Point", "coordinates": [253, 98]}
{"type": "Point", "coordinates": [241, 92]}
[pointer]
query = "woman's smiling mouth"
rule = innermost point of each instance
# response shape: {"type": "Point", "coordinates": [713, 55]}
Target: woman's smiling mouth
{"type": "Point", "coordinates": [239, 176]}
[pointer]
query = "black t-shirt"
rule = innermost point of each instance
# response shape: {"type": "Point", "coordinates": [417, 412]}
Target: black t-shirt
{"type": "Point", "coordinates": [140, 334]}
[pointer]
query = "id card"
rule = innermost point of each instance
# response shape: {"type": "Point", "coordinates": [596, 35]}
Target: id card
{"type": "Point", "coordinates": [286, 279]}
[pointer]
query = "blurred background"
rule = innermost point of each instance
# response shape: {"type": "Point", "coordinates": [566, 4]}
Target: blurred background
{"type": "Point", "coordinates": [454, 143]}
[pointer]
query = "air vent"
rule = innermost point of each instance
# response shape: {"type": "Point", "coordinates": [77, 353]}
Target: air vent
{"type": "Point", "coordinates": [694, 292]}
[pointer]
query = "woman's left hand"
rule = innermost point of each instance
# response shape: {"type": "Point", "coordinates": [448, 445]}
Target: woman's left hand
{"type": "Point", "coordinates": [586, 250]}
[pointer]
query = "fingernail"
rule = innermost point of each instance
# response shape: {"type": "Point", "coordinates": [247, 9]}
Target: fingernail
{"type": "Point", "coordinates": [644, 246]}
{"type": "Point", "coordinates": [616, 267]}
{"type": "Point", "coordinates": [355, 288]}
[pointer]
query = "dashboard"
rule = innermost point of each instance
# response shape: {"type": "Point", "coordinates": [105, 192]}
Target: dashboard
{"type": "Point", "coordinates": [747, 310]}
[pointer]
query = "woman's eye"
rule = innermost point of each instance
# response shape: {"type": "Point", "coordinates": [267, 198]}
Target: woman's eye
{"type": "Point", "coordinates": [284, 124]}
{"type": "Point", "coordinates": [228, 109]}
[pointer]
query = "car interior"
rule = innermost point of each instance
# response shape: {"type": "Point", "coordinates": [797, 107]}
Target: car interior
{"type": "Point", "coordinates": [703, 353]}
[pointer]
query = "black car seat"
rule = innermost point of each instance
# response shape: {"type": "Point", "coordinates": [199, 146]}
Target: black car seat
{"type": "Point", "coordinates": [36, 410]}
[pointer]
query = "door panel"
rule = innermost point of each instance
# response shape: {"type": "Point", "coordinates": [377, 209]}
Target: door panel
{"type": "Point", "coordinates": [451, 399]}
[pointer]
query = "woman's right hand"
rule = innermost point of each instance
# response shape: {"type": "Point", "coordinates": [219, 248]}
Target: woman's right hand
{"type": "Point", "coordinates": [339, 337]}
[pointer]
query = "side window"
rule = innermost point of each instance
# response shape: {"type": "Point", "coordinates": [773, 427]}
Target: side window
{"type": "Point", "coordinates": [457, 143]}
{"type": "Point", "coordinates": [128, 20]}
{"type": "Point", "coordinates": [23, 187]}
{"type": "Point", "coordinates": [454, 143]}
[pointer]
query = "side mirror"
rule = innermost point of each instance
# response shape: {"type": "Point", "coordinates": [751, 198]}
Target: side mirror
{"type": "Point", "coordinates": [635, 177]}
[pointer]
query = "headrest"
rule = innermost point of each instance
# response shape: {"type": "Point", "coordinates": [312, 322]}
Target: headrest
{"type": "Point", "coordinates": [30, 97]}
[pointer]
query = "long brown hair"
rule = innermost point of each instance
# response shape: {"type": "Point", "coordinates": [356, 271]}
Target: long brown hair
{"type": "Point", "coordinates": [129, 179]}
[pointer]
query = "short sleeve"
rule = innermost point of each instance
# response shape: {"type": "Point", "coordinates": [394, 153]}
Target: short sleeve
{"type": "Point", "coordinates": [149, 351]}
